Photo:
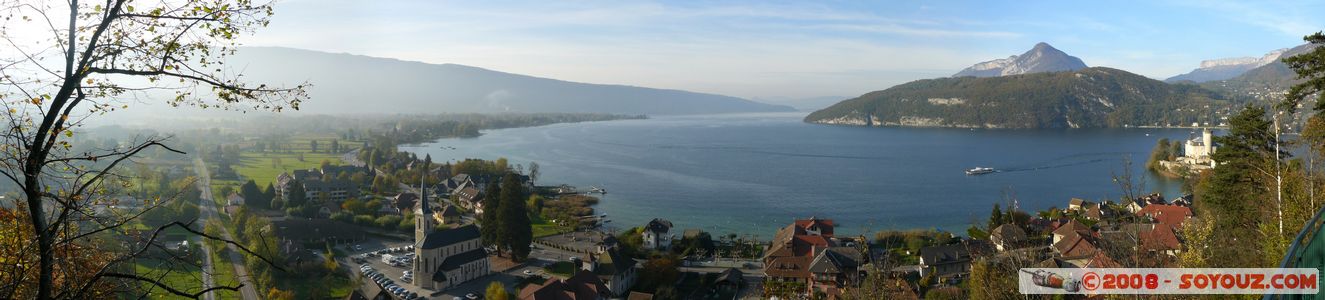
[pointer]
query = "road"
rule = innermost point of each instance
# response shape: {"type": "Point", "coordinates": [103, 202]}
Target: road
{"type": "Point", "coordinates": [207, 270]}
{"type": "Point", "coordinates": [208, 208]}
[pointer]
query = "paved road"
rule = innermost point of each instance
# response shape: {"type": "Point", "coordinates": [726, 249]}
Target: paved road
{"type": "Point", "coordinates": [208, 208]}
{"type": "Point", "coordinates": [207, 270]}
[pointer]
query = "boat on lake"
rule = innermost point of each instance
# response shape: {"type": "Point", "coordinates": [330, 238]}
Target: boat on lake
{"type": "Point", "coordinates": [980, 171]}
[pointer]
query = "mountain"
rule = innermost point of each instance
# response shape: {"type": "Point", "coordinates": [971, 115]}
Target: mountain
{"type": "Point", "coordinates": [1041, 58]}
{"type": "Point", "coordinates": [1091, 97]}
{"type": "Point", "coordinates": [345, 83]}
{"type": "Point", "coordinates": [803, 104]}
{"type": "Point", "coordinates": [1227, 68]}
{"type": "Point", "coordinates": [1265, 82]}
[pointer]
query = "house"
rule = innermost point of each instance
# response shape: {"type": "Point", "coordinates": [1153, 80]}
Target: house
{"type": "Point", "coordinates": [806, 252]}
{"type": "Point", "coordinates": [1078, 204]}
{"type": "Point", "coordinates": [584, 285]}
{"type": "Point", "coordinates": [316, 230]}
{"type": "Point", "coordinates": [368, 291]}
{"type": "Point", "coordinates": [1185, 200]}
{"type": "Point", "coordinates": [404, 202]}
{"type": "Point", "coordinates": [834, 269]}
{"type": "Point", "coordinates": [730, 280]}
{"type": "Point", "coordinates": [1007, 237]}
{"type": "Point", "coordinates": [469, 197]}
{"type": "Point", "coordinates": [1070, 229]}
{"type": "Point", "coordinates": [945, 261]}
{"type": "Point", "coordinates": [1171, 215]}
{"type": "Point", "coordinates": [449, 215]}
{"type": "Point", "coordinates": [657, 234]}
{"type": "Point", "coordinates": [457, 182]}
{"type": "Point", "coordinates": [640, 296]}
{"type": "Point", "coordinates": [614, 270]}
{"type": "Point", "coordinates": [322, 184]}
{"type": "Point", "coordinates": [234, 199]}
{"type": "Point", "coordinates": [1141, 202]}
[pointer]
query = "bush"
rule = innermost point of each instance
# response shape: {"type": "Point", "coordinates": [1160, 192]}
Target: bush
{"type": "Point", "coordinates": [365, 220]}
{"type": "Point", "coordinates": [343, 217]}
{"type": "Point", "coordinates": [388, 222]}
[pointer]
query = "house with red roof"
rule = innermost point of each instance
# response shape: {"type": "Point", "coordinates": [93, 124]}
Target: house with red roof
{"type": "Point", "coordinates": [806, 252]}
{"type": "Point", "coordinates": [1171, 215]}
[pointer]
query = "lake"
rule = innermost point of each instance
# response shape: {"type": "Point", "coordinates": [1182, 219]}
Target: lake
{"type": "Point", "coordinates": [753, 173]}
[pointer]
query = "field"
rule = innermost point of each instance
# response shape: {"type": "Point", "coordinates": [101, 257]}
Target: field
{"type": "Point", "coordinates": [178, 275]}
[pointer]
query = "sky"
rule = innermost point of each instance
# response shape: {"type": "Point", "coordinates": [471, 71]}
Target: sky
{"type": "Point", "coordinates": [768, 49]}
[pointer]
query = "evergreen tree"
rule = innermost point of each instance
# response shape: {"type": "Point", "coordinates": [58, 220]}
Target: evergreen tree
{"type": "Point", "coordinates": [312, 145]}
{"type": "Point", "coordinates": [995, 217]}
{"type": "Point", "coordinates": [269, 195]}
{"type": "Point", "coordinates": [298, 196]}
{"type": "Point", "coordinates": [1235, 192]}
{"type": "Point", "coordinates": [516, 230]}
{"type": "Point", "coordinates": [489, 220]}
{"type": "Point", "coordinates": [252, 195]}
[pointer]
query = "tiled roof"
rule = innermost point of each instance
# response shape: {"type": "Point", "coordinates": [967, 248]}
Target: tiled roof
{"type": "Point", "coordinates": [1171, 215]}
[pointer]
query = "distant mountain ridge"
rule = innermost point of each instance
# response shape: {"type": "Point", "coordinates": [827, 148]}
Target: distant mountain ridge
{"type": "Point", "coordinates": [1087, 98]}
{"type": "Point", "coordinates": [346, 83]}
{"type": "Point", "coordinates": [1041, 58]}
{"type": "Point", "coordinates": [1227, 68]}
{"type": "Point", "coordinates": [1263, 82]}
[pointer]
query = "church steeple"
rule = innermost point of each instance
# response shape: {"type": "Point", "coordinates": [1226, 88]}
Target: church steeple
{"type": "Point", "coordinates": [423, 216]}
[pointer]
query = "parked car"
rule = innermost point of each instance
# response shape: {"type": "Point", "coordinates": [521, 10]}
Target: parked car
{"type": "Point", "coordinates": [471, 296]}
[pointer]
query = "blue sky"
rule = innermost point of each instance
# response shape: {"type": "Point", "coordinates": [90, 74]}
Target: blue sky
{"type": "Point", "coordinates": [765, 49]}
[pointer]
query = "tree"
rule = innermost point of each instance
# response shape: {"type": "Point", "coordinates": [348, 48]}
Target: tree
{"type": "Point", "coordinates": [496, 291]}
{"type": "Point", "coordinates": [97, 59]}
{"type": "Point", "coordinates": [1234, 194]}
{"type": "Point", "coordinates": [335, 146]}
{"type": "Point", "coordinates": [1309, 66]}
{"type": "Point", "coordinates": [252, 195]}
{"type": "Point", "coordinates": [491, 230]}
{"type": "Point", "coordinates": [312, 146]}
{"type": "Point", "coordinates": [269, 195]}
{"type": "Point", "coordinates": [995, 217]}
{"type": "Point", "coordinates": [516, 230]}
{"type": "Point", "coordinates": [297, 195]}
{"type": "Point", "coordinates": [533, 172]}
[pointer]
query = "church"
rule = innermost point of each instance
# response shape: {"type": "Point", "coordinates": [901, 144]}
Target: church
{"type": "Point", "coordinates": [446, 258]}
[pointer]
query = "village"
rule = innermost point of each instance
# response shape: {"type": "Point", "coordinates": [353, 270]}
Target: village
{"type": "Point", "coordinates": [382, 224]}
{"type": "Point", "coordinates": [446, 257]}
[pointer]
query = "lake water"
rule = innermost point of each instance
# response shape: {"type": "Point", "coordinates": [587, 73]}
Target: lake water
{"type": "Point", "coordinates": [752, 173]}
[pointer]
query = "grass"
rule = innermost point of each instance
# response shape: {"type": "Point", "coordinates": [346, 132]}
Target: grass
{"type": "Point", "coordinates": [338, 285]}
{"type": "Point", "coordinates": [223, 274]}
{"type": "Point", "coordinates": [561, 268]}
{"type": "Point", "coordinates": [180, 276]}
{"type": "Point", "coordinates": [542, 230]}
{"type": "Point", "coordinates": [259, 166]}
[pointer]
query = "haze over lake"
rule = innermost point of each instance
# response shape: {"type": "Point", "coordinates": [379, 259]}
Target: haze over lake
{"type": "Point", "coordinates": [752, 173]}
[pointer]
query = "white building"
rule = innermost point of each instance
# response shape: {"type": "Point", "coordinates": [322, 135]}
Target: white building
{"type": "Point", "coordinates": [657, 234]}
{"type": "Point", "coordinates": [1197, 151]}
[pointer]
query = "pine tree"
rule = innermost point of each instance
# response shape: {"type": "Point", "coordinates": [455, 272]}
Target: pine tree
{"type": "Point", "coordinates": [516, 231]}
{"type": "Point", "coordinates": [252, 195]}
{"type": "Point", "coordinates": [1235, 192]}
{"type": "Point", "coordinates": [995, 218]}
{"type": "Point", "coordinates": [491, 224]}
{"type": "Point", "coordinates": [298, 196]}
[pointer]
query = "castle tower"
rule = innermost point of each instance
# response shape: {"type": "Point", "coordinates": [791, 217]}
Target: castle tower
{"type": "Point", "coordinates": [1207, 138]}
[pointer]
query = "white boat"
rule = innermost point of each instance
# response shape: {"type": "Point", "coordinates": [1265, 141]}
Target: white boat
{"type": "Point", "coordinates": [594, 189]}
{"type": "Point", "coordinates": [979, 171]}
